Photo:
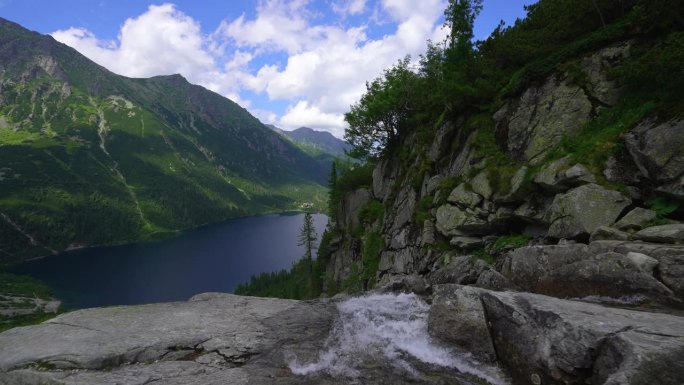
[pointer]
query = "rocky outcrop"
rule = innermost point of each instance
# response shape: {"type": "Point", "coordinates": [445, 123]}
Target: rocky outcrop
{"type": "Point", "coordinates": [548, 341]}
{"type": "Point", "coordinates": [657, 149]}
{"type": "Point", "coordinates": [584, 209]}
{"type": "Point", "coordinates": [543, 340]}
{"type": "Point", "coordinates": [578, 270]}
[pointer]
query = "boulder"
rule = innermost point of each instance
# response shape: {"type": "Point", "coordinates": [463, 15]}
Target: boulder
{"type": "Point", "coordinates": [642, 261]}
{"type": "Point", "coordinates": [673, 233]}
{"type": "Point", "coordinates": [453, 221]}
{"type": "Point", "coordinates": [464, 197]}
{"type": "Point", "coordinates": [544, 340]}
{"type": "Point", "coordinates": [636, 219]}
{"type": "Point", "coordinates": [605, 232]}
{"type": "Point", "coordinates": [457, 317]}
{"type": "Point", "coordinates": [557, 176]}
{"type": "Point", "coordinates": [670, 259]}
{"type": "Point", "coordinates": [466, 243]}
{"type": "Point", "coordinates": [411, 283]}
{"type": "Point", "coordinates": [469, 270]}
{"type": "Point", "coordinates": [657, 148]}
{"type": "Point", "coordinates": [517, 190]}
{"type": "Point", "coordinates": [577, 271]}
{"type": "Point", "coordinates": [462, 270]}
{"type": "Point", "coordinates": [480, 184]}
{"type": "Point", "coordinates": [584, 209]}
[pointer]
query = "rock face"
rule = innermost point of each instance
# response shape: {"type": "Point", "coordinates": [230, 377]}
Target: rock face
{"type": "Point", "coordinates": [578, 270]}
{"type": "Point", "coordinates": [548, 341]}
{"type": "Point", "coordinates": [212, 339]}
{"type": "Point", "coordinates": [538, 120]}
{"type": "Point", "coordinates": [584, 209]}
{"type": "Point", "coordinates": [544, 340]}
{"type": "Point", "coordinates": [658, 151]}
{"type": "Point", "coordinates": [457, 317]}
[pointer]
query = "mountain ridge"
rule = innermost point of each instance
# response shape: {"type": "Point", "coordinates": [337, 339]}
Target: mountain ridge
{"type": "Point", "coordinates": [91, 158]}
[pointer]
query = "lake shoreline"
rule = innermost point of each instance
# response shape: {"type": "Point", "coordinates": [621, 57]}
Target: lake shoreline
{"type": "Point", "coordinates": [151, 239]}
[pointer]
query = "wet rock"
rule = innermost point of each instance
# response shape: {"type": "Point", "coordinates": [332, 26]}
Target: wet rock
{"type": "Point", "coordinates": [551, 341]}
{"type": "Point", "coordinates": [583, 210]}
{"type": "Point", "coordinates": [427, 236]}
{"type": "Point", "coordinates": [457, 317]}
{"type": "Point", "coordinates": [411, 283]}
{"type": "Point", "coordinates": [404, 205]}
{"type": "Point", "coordinates": [636, 219]}
{"type": "Point", "coordinates": [662, 234]}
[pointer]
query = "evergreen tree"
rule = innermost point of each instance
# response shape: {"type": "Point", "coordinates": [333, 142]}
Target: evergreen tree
{"type": "Point", "coordinates": [307, 238]}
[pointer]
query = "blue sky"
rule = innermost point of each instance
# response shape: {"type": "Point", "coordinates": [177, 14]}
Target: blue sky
{"type": "Point", "coordinates": [291, 63]}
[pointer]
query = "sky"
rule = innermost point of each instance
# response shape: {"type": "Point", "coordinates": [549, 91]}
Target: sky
{"type": "Point", "coordinates": [290, 63]}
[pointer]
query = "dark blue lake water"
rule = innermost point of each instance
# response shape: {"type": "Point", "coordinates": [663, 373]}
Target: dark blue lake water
{"type": "Point", "coordinates": [216, 257]}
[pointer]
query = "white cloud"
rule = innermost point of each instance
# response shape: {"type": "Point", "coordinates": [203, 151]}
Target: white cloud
{"type": "Point", "coordinates": [302, 114]}
{"type": "Point", "coordinates": [349, 7]}
{"type": "Point", "coordinates": [326, 67]}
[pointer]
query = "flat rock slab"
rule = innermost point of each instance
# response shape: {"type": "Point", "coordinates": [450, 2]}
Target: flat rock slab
{"type": "Point", "coordinates": [211, 339]}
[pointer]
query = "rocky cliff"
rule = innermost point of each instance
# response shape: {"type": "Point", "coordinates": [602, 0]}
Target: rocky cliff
{"type": "Point", "coordinates": [566, 189]}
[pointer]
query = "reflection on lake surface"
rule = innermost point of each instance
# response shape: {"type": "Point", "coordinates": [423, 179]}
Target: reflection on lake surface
{"type": "Point", "coordinates": [216, 257]}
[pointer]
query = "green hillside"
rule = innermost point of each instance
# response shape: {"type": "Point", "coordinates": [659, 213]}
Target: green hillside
{"type": "Point", "coordinates": [88, 157]}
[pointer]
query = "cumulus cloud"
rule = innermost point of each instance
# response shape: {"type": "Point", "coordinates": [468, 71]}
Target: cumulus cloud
{"type": "Point", "coordinates": [323, 64]}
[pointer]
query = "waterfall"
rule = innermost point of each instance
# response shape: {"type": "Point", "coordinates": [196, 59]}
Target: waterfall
{"type": "Point", "coordinates": [391, 328]}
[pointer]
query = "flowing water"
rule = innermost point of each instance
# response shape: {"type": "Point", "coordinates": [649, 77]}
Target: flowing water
{"type": "Point", "coordinates": [391, 330]}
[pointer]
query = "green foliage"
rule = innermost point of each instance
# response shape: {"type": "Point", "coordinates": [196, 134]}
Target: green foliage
{"type": "Point", "coordinates": [15, 287]}
{"type": "Point", "coordinates": [297, 283]}
{"type": "Point", "coordinates": [382, 113]}
{"type": "Point", "coordinates": [506, 242]}
{"type": "Point", "coordinates": [599, 138]}
{"type": "Point", "coordinates": [372, 212]}
{"type": "Point", "coordinates": [7, 322]}
{"type": "Point", "coordinates": [446, 186]}
{"type": "Point", "coordinates": [373, 244]}
{"type": "Point", "coordinates": [422, 211]}
{"type": "Point", "coordinates": [662, 206]}
{"type": "Point", "coordinates": [483, 255]}
{"type": "Point", "coordinates": [354, 177]}
{"type": "Point", "coordinates": [88, 168]}
{"type": "Point", "coordinates": [23, 286]}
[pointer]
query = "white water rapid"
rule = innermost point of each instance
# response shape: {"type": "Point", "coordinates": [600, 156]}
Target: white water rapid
{"type": "Point", "coordinates": [391, 328]}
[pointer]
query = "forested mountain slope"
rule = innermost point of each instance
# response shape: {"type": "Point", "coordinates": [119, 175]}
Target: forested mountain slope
{"type": "Point", "coordinates": [88, 157]}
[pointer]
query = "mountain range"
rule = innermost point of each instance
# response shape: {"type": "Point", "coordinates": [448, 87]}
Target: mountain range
{"type": "Point", "coordinates": [88, 157]}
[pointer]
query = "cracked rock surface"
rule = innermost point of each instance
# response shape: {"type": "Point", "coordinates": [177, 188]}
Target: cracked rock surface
{"type": "Point", "coordinates": [211, 339]}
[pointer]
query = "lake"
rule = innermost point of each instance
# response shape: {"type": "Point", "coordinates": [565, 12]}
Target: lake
{"type": "Point", "coordinates": [215, 257]}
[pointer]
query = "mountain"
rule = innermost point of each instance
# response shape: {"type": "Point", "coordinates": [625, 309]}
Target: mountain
{"type": "Point", "coordinates": [322, 140]}
{"type": "Point", "coordinates": [321, 145]}
{"type": "Point", "coordinates": [88, 157]}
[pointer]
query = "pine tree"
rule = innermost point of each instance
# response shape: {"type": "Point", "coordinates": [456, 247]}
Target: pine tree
{"type": "Point", "coordinates": [307, 238]}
